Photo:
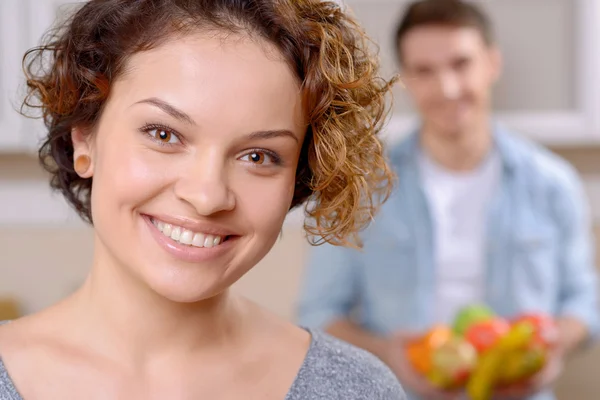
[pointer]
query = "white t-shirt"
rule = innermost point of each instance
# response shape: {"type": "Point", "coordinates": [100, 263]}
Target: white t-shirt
{"type": "Point", "coordinates": [459, 202]}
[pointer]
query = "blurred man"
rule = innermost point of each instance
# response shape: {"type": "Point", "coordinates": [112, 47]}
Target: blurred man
{"type": "Point", "coordinates": [480, 215]}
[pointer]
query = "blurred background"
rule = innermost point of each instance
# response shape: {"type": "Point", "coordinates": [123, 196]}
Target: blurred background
{"type": "Point", "coordinates": [550, 91]}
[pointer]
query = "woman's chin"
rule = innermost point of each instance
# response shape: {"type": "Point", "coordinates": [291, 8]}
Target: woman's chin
{"type": "Point", "coordinates": [185, 290]}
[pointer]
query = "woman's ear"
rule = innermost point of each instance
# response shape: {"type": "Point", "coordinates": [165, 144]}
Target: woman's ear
{"type": "Point", "coordinates": [82, 153]}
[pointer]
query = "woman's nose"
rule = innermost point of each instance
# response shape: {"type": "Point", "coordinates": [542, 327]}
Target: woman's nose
{"type": "Point", "coordinates": [205, 184]}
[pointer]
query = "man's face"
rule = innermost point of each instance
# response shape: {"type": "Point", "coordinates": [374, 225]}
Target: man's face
{"type": "Point", "coordinates": [449, 72]}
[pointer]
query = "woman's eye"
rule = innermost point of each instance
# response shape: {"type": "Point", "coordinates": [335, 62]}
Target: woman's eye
{"type": "Point", "coordinates": [258, 158]}
{"type": "Point", "coordinates": [163, 135]}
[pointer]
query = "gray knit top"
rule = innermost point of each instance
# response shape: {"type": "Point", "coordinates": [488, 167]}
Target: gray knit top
{"type": "Point", "coordinates": [332, 370]}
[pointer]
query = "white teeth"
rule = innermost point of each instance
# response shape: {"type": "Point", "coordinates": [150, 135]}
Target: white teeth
{"type": "Point", "coordinates": [176, 233]}
{"type": "Point", "coordinates": [186, 237]}
{"type": "Point", "coordinates": [198, 240]}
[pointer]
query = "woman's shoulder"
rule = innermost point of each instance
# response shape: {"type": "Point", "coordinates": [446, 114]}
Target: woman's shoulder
{"type": "Point", "coordinates": [334, 369]}
{"type": "Point", "coordinates": [7, 388]}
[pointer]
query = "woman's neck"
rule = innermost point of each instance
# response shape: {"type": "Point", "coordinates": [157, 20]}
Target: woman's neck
{"type": "Point", "coordinates": [124, 317]}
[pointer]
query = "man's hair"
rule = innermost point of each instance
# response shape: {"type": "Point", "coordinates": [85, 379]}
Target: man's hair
{"type": "Point", "coordinates": [451, 13]}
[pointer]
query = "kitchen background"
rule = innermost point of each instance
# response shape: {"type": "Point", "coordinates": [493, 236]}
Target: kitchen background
{"type": "Point", "coordinates": [550, 92]}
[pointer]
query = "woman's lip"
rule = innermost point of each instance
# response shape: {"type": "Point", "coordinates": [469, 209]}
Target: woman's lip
{"type": "Point", "coordinates": [188, 253]}
{"type": "Point", "coordinates": [194, 226]}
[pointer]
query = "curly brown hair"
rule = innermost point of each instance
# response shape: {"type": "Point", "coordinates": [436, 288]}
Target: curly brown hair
{"type": "Point", "coordinates": [342, 169]}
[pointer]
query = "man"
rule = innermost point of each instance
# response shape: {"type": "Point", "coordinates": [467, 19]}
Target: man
{"type": "Point", "coordinates": [479, 216]}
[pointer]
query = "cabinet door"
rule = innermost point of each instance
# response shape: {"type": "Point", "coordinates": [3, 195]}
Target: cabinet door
{"type": "Point", "coordinates": [13, 32]}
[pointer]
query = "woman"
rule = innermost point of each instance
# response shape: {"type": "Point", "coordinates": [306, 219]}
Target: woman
{"type": "Point", "coordinates": [186, 130]}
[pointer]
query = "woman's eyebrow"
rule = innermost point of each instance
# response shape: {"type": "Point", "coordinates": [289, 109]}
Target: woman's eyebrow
{"type": "Point", "coordinates": [185, 118]}
{"type": "Point", "coordinates": [169, 109]}
{"type": "Point", "coordinates": [272, 134]}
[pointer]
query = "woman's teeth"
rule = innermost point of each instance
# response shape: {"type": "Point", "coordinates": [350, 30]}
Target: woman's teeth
{"type": "Point", "coordinates": [186, 237]}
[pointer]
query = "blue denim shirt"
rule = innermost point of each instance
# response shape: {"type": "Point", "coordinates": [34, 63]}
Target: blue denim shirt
{"type": "Point", "coordinates": [539, 250]}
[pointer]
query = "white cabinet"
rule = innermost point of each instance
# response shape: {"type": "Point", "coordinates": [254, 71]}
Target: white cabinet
{"type": "Point", "coordinates": [22, 25]}
{"type": "Point", "coordinates": [13, 32]}
{"type": "Point", "coordinates": [41, 16]}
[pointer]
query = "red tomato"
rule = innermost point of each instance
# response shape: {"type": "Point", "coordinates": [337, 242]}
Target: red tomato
{"type": "Point", "coordinates": [484, 335]}
{"type": "Point", "coordinates": [546, 330]}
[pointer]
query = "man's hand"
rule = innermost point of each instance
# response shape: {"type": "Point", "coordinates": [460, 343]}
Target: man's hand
{"type": "Point", "coordinates": [539, 382]}
{"type": "Point", "coordinates": [571, 334]}
{"type": "Point", "coordinates": [408, 376]}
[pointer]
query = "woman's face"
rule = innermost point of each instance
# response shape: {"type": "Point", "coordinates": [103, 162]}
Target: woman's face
{"type": "Point", "coordinates": [194, 162]}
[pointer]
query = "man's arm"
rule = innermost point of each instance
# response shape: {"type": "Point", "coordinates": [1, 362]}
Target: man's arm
{"type": "Point", "coordinates": [329, 293]}
{"type": "Point", "coordinates": [578, 316]}
{"type": "Point", "coordinates": [573, 333]}
{"type": "Point", "coordinates": [329, 290]}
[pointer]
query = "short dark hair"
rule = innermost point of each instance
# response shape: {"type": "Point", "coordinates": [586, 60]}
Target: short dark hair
{"type": "Point", "coordinates": [452, 13]}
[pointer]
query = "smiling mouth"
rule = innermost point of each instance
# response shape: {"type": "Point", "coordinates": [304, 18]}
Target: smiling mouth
{"type": "Point", "coordinates": [187, 237]}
